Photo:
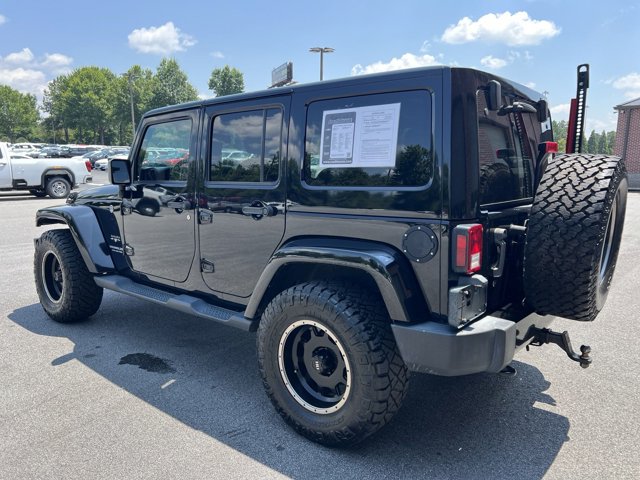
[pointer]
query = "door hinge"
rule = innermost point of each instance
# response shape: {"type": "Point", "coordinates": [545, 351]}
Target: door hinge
{"type": "Point", "coordinates": [205, 216]}
{"type": "Point", "coordinates": [128, 250]}
{"type": "Point", "coordinates": [206, 266]}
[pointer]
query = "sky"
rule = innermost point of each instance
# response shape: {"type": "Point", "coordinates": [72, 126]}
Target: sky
{"type": "Point", "coordinates": [538, 43]}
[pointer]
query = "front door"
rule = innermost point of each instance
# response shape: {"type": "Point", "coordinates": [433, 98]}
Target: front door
{"type": "Point", "coordinates": [242, 206]}
{"type": "Point", "coordinates": [159, 209]}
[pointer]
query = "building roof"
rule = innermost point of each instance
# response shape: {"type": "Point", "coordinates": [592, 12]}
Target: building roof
{"type": "Point", "coordinates": [630, 104]}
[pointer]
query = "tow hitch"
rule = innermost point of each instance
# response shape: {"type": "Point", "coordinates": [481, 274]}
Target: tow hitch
{"type": "Point", "coordinates": [544, 335]}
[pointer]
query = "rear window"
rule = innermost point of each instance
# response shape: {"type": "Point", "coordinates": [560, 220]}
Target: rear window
{"type": "Point", "coordinates": [506, 154]}
{"type": "Point", "coordinates": [381, 140]}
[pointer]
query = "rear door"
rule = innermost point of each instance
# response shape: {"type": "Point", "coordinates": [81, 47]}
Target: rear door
{"type": "Point", "coordinates": [243, 203]}
{"type": "Point", "coordinates": [159, 210]}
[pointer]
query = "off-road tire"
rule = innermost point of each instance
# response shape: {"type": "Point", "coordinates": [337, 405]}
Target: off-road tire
{"type": "Point", "coordinates": [573, 235]}
{"type": "Point", "coordinates": [358, 322]}
{"type": "Point", "coordinates": [66, 288]}
{"type": "Point", "coordinates": [58, 187]}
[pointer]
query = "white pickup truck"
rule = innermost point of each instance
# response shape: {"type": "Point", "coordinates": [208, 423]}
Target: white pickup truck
{"type": "Point", "coordinates": [41, 176]}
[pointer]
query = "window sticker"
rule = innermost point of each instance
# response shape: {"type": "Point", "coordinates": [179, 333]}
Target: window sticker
{"type": "Point", "coordinates": [360, 137]}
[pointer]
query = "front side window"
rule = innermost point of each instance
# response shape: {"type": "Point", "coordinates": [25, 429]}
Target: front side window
{"type": "Point", "coordinates": [505, 153]}
{"type": "Point", "coordinates": [165, 152]}
{"type": "Point", "coordinates": [381, 140]}
{"type": "Point", "coordinates": [245, 146]}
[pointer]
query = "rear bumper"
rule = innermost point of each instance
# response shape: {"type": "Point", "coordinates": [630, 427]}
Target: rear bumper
{"type": "Point", "coordinates": [486, 345]}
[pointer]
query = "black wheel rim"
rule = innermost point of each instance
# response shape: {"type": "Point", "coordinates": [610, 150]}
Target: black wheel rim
{"type": "Point", "coordinates": [314, 366]}
{"type": "Point", "coordinates": [52, 277]}
{"type": "Point", "coordinates": [608, 242]}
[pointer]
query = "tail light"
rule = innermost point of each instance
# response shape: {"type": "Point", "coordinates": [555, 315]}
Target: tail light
{"type": "Point", "coordinates": [87, 163]}
{"type": "Point", "coordinates": [467, 248]}
{"type": "Point", "coordinates": [548, 147]}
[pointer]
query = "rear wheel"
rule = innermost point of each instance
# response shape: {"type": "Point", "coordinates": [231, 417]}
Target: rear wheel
{"type": "Point", "coordinates": [66, 288]}
{"type": "Point", "coordinates": [58, 187]}
{"type": "Point", "coordinates": [573, 235]}
{"type": "Point", "coordinates": [329, 362]}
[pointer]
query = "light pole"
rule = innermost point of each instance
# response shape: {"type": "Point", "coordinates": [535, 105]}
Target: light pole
{"type": "Point", "coordinates": [321, 51]}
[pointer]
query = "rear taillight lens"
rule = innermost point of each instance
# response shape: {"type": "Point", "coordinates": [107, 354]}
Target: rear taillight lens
{"type": "Point", "coordinates": [88, 165]}
{"type": "Point", "coordinates": [467, 252]}
{"type": "Point", "coordinates": [548, 147]}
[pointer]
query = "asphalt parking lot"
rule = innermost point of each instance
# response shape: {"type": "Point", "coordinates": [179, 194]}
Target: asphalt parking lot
{"type": "Point", "coordinates": [141, 392]}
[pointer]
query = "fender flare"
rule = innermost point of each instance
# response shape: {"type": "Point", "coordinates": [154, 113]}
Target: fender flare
{"type": "Point", "coordinates": [58, 172]}
{"type": "Point", "coordinates": [382, 263]}
{"type": "Point", "coordinates": [86, 232]}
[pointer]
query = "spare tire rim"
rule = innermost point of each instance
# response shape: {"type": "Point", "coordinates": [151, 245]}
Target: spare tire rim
{"type": "Point", "coordinates": [52, 278]}
{"type": "Point", "coordinates": [608, 241]}
{"type": "Point", "coordinates": [314, 366]}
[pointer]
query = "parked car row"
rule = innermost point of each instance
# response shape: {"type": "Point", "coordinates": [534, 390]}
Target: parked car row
{"type": "Point", "coordinates": [88, 152]}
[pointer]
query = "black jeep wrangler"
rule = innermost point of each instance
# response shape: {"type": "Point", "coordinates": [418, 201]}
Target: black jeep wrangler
{"type": "Point", "coordinates": [371, 226]}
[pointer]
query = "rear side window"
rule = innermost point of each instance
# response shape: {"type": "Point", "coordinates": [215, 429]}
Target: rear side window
{"type": "Point", "coordinates": [506, 155]}
{"type": "Point", "coordinates": [382, 140]}
{"type": "Point", "coordinates": [245, 146]}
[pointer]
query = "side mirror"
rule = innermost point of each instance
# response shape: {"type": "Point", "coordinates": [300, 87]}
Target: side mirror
{"type": "Point", "coordinates": [495, 95]}
{"type": "Point", "coordinates": [543, 111]}
{"type": "Point", "coordinates": [119, 171]}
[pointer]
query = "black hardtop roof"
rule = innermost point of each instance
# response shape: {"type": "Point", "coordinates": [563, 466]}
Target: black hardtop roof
{"type": "Point", "coordinates": [327, 84]}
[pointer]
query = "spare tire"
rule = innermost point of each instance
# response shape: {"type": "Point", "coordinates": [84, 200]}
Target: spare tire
{"type": "Point", "coordinates": [573, 235]}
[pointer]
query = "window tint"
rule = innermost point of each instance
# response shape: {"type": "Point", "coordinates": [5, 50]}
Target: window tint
{"type": "Point", "coordinates": [245, 146]}
{"type": "Point", "coordinates": [506, 155]}
{"type": "Point", "coordinates": [165, 153]}
{"type": "Point", "coordinates": [370, 141]}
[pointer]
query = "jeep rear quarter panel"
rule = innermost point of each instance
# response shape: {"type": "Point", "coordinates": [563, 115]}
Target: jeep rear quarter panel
{"type": "Point", "coordinates": [380, 205]}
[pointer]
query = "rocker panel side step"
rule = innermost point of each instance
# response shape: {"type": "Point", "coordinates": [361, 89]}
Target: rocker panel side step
{"type": "Point", "coordinates": [182, 303]}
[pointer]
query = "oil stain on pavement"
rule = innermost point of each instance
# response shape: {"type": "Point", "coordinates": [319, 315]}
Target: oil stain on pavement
{"type": "Point", "coordinates": [147, 362]}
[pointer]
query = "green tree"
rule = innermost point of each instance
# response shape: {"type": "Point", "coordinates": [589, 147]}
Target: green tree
{"type": "Point", "coordinates": [18, 114]}
{"type": "Point", "coordinates": [226, 81]}
{"type": "Point", "coordinates": [53, 103]}
{"type": "Point", "coordinates": [611, 142]}
{"type": "Point", "coordinates": [592, 143]}
{"type": "Point", "coordinates": [136, 85]}
{"type": "Point", "coordinates": [560, 134]}
{"type": "Point", "coordinates": [171, 85]}
{"type": "Point", "coordinates": [88, 99]}
{"type": "Point", "coordinates": [602, 143]}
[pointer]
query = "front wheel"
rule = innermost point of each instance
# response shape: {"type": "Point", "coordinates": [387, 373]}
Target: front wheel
{"type": "Point", "coordinates": [66, 288]}
{"type": "Point", "coordinates": [329, 362]}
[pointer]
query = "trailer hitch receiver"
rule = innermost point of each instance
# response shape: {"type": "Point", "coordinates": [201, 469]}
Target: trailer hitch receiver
{"type": "Point", "coordinates": [542, 336]}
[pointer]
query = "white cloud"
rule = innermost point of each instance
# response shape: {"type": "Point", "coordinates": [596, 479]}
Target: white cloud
{"type": "Point", "coordinates": [516, 29]}
{"type": "Point", "coordinates": [217, 54]}
{"type": "Point", "coordinates": [56, 60]}
{"type": "Point", "coordinates": [408, 60]}
{"type": "Point", "coordinates": [492, 62]}
{"type": "Point", "coordinates": [24, 80]}
{"type": "Point", "coordinates": [561, 111]}
{"type": "Point", "coordinates": [162, 40]}
{"type": "Point", "coordinates": [3, 19]}
{"type": "Point", "coordinates": [426, 46]}
{"type": "Point", "coordinates": [630, 84]}
{"type": "Point", "coordinates": [19, 58]}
